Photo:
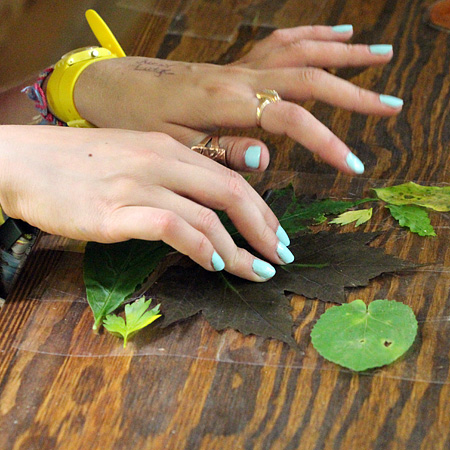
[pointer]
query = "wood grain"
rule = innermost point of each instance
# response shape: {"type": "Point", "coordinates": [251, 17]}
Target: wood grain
{"type": "Point", "coordinates": [189, 387]}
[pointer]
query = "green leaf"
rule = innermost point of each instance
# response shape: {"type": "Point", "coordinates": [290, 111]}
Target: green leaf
{"type": "Point", "coordinates": [361, 338]}
{"type": "Point", "coordinates": [437, 198]}
{"type": "Point", "coordinates": [360, 216]}
{"type": "Point", "coordinates": [137, 317]}
{"type": "Point", "coordinates": [297, 215]}
{"type": "Point", "coordinates": [413, 217]}
{"type": "Point", "coordinates": [112, 272]}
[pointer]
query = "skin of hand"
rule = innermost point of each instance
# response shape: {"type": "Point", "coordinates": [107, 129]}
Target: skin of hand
{"type": "Point", "coordinates": [110, 185]}
{"type": "Point", "coordinates": [189, 101]}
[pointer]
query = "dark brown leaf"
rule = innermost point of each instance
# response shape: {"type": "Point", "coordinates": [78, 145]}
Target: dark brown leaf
{"type": "Point", "coordinates": [225, 301]}
{"type": "Point", "coordinates": [326, 263]}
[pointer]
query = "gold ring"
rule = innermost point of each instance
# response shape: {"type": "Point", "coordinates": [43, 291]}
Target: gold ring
{"type": "Point", "coordinates": [210, 148]}
{"type": "Point", "coordinates": [265, 97]}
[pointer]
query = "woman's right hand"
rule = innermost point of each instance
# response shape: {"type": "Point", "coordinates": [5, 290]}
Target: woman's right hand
{"type": "Point", "coordinates": [110, 185]}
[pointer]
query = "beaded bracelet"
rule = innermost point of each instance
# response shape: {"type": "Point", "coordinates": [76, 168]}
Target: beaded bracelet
{"type": "Point", "coordinates": [37, 94]}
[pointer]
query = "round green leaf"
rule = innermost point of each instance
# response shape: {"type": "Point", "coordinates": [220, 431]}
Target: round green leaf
{"type": "Point", "coordinates": [361, 338]}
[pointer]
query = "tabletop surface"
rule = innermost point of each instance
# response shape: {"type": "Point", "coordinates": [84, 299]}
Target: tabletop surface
{"type": "Point", "coordinates": [62, 387]}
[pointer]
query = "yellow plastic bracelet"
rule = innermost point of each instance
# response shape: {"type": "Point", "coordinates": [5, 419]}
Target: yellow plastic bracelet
{"type": "Point", "coordinates": [62, 81]}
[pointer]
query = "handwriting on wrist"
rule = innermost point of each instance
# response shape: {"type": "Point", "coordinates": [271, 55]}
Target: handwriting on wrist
{"type": "Point", "coordinates": [158, 68]}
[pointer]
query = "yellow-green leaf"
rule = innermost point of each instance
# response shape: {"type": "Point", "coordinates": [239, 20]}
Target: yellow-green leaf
{"type": "Point", "coordinates": [137, 317]}
{"type": "Point", "coordinates": [360, 216]}
{"type": "Point", "coordinates": [437, 198]}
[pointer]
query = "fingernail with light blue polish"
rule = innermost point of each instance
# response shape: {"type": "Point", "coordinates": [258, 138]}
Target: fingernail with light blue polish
{"type": "Point", "coordinates": [342, 28]}
{"type": "Point", "coordinates": [355, 163]}
{"type": "Point", "coordinates": [263, 269]}
{"type": "Point", "coordinates": [393, 102]}
{"type": "Point", "coordinates": [380, 49]}
{"type": "Point", "coordinates": [284, 253]}
{"type": "Point", "coordinates": [217, 262]}
{"type": "Point", "coordinates": [282, 236]}
{"type": "Point", "coordinates": [253, 156]}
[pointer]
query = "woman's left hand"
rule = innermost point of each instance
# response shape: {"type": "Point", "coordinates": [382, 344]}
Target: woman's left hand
{"type": "Point", "coordinates": [190, 101]}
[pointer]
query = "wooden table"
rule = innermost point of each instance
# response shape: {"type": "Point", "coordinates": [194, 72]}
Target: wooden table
{"type": "Point", "coordinates": [62, 387]}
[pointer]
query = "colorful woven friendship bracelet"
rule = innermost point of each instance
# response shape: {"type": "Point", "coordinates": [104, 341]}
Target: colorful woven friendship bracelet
{"type": "Point", "coordinates": [37, 94]}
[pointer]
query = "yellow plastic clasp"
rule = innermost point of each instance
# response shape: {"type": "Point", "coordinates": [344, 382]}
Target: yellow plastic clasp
{"type": "Point", "coordinates": [103, 34]}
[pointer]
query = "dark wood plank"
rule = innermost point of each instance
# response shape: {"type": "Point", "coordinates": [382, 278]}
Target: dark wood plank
{"type": "Point", "coordinates": [190, 387]}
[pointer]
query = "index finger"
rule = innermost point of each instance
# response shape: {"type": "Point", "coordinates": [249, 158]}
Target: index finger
{"type": "Point", "coordinates": [299, 124]}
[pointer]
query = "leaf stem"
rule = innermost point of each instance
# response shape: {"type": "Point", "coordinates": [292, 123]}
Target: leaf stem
{"type": "Point", "coordinates": [306, 266]}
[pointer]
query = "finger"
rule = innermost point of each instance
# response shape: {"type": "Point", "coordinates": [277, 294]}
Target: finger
{"type": "Point", "coordinates": [193, 167]}
{"type": "Point", "coordinates": [316, 84]}
{"type": "Point", "coordinates": [220, 172]}
{"type": "Point", "coordinates": [237, 261]}
{"type": "Point", "coordinates": [287, 36]}
{"type": "Point", "coordinates": [153, 224]}
{"type": "Point", "coordinates": [327, 54]}
{"type": "Point", "coordinates": [226, 190]}
{"type": "Point", "coordinates": [297, 123]}
{"type": "Point", "coordinates": [243, 153]}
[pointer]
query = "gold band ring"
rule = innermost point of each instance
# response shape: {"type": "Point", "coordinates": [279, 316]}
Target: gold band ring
{"type": "Point", "coordinates": [210, 148]}
{"type": "Point", "coordinates": [265, 97]}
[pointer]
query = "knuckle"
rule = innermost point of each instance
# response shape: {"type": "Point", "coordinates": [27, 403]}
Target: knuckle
{"type": "Point", "coordinates": [159, 138]}
{"type": "Point", "coordinates": [166, 223]}
{"type": "Point", "coordinates": [207, 220]}
{"type": "Point", "coordinates": [293, 115]}
{"type": "Point", "coordinates": [310, 75]}
{"type": "Point", "coordinates": [109, 229]}
{"type": "Point", "coordinates": [234, 260]}
{"type": "Point", "coordinates": [360, 97]}
{"type": "Point", "coordinates": [267, 235]}
{"type": "Point", "coordinates": [235, 186]}
{"type": "Point", "coordinates": [301, 47]}
{"type": "Point", "coordinates": [226, 89]}
{"type": "Point", "coordinates": [270, 218]}
{"type": "Point", "coordinates": [203, 246]}
{"type": "Point", "coordinates": [331, 143]}
{"type": "Point", "coordinates": [234, 71]}
{"type": "Point", "coordinates": [122, 188]}
{"type": "Point", "coordinates": [349, 50]}
{"type": "Point", "coordinates": [146, 157]}
{"type": "Point", "coordinates": [280, 36]}
{"type": "Point", "coordinates": [240, 261]}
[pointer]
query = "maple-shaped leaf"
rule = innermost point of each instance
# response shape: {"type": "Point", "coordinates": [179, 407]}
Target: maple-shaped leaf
{"type": "Point", "coordinates": [341, 260]}
{"type": "Point", "coordinates": [359, 216]}
{"type": "Point", "coordinates": [226, 301]}
{"type": "Point", "coordinates": [413, 217]}
{"type": "Point", "coordinates": [325, 264]}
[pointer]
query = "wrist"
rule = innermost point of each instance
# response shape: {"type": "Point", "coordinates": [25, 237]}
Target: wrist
{"type": "Point", "coordinates": [93, 94]}
{"type": "Point", "coordinates": [61, 84]}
